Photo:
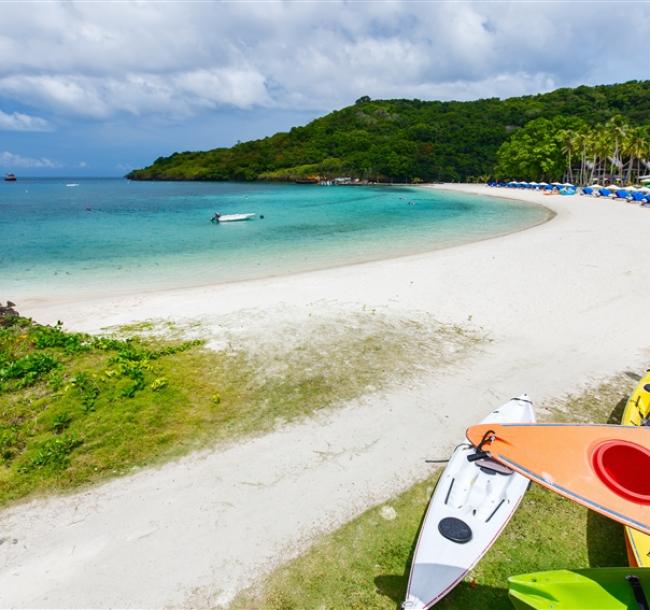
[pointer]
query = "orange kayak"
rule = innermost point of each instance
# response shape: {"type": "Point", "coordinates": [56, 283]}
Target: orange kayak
{"type": "Point", "coordinates": [605, 468]}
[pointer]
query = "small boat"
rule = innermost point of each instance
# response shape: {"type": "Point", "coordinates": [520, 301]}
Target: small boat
{"type": "Point", "coordinates": [637, 413]}
{"type": "Point", "coordinates": [589, 589]}
{"type": "Point", "coordinates": [472, 502]}
{"type": "Point", "coordinates": [218, 218]}
{"type": "Point", "coordinates": [10, 177]}
{"type": "Point", "coordinates": [603, 467]}
{"type": "Point", "coordinates": [73, 184]}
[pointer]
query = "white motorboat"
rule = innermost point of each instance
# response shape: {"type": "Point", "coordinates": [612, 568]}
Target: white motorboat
{"type": "Point", "coordinates": [218, 218]}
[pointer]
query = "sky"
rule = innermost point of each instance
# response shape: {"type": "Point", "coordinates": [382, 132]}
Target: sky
{"type": "Point", "coordinates": [97, 89]}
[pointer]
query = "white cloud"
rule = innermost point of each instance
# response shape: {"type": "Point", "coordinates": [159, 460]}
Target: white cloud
{"type": "Point", "coordinates": [179, 94]}
{"type": "Point", "coordinates": [181, 59]}
{"type": "Point", "coordinates": [16, 121]}
{"type": "Point", "coordinates": [10, 160]}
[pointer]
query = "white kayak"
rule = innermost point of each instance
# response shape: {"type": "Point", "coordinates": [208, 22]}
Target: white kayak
{"type": "Point", "coordinates": [470, 506]}
{"type": "Point", "coordinates": [233, 217]}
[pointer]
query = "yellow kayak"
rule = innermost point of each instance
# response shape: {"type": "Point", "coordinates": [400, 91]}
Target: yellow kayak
{"type": "Point", "coordinates": [637, 413]}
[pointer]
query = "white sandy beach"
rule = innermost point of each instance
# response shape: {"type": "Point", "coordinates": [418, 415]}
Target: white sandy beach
{"type": "Point", "coordinates": [564, 303]}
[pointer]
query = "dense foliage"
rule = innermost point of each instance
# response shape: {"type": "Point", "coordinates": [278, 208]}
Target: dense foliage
{"type": "Point", "coordinates": [76, 405]}
{"type": "Point", "coordinates": [566, 148]}
{"type": "Point", "coordinates": [402, 140]}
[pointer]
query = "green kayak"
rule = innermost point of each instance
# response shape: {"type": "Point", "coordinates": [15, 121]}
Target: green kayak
{"type": "Point", "coordinates": [590, 589]}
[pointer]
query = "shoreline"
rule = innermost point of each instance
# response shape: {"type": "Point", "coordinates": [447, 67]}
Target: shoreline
{"type": "Point", "coordinates": [562, 305]}
{"type": "Point", "coordinates": [36, 304]}
{"type": "Point", "coordinates": [129, 287]}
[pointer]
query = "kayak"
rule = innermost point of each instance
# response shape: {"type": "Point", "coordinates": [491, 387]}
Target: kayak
{"type": "Point", "coordinates": [589, 589]}
{"type": "Point", "coordinates": [605, 468]}
{"type": "Point", "coordinates": [636, 413]}
{"type": "Point", "coordinates": [637, 409]}
{"type": "Point", "coordinates": [472, 502]}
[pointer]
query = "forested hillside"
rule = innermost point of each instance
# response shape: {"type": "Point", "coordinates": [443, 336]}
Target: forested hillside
{"type": "Point", "coordinates": [402, 140]}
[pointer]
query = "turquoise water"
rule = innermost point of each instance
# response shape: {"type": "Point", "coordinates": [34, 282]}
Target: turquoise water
{"type": "Point", "coordinates": [115, 236]}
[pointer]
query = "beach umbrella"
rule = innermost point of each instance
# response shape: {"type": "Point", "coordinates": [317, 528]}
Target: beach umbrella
{"type": "Point", "coordinates": [557, 184]}
{"type": "Point", "coordinates": [533, 183]}
{"type": "Point", "coordinates": [543, 184]}
{"type": "Point", "coordinates": [568, 184]}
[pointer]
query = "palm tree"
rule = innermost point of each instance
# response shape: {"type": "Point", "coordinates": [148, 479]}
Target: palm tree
{"type": "Point", "coordinates": [580, 142]}
{"type": "Point", "coordinates": [633, 149]}
{"type": "Point", "coordinates": [618, 129]}
{"type": "Point", "coordinates": [600, 147]}
{"type": "Point", "coordinates": [568, 143]}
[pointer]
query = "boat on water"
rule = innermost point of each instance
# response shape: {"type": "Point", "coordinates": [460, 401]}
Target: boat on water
{"type": "Point", "coordinates": [588, 589]}
{"type": "Point", "coordinates": [219, 218]}
{"type": "Point", "coordinates": [10, 178]}
{"type": "Point", "coordinates": [473, 501]}
{"type": "Point", "coordinates": [637, 413]}
{"type": "Point", "coordinates": [600, 466]}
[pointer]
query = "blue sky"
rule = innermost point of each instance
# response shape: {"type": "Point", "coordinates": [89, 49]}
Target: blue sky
{"type": "Point", "coordinates": [99, 88]}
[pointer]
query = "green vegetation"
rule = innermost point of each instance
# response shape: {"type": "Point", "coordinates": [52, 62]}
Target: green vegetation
{"type": "Point", "coordinates": [568, 149]}
{"type": "Point", "coordinates": [78, 408]}
{"type": "Point", "coordinates": [364, 565]}
{"type": "Point", "coordinates": [401, 140]}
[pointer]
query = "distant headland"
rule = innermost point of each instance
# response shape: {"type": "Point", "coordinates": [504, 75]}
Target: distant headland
{"type": "Point", "coordinates": [408, 141]}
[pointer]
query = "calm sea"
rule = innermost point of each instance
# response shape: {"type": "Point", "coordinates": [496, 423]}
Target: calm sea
{"type": "Point", "coordinates": [114, 236]}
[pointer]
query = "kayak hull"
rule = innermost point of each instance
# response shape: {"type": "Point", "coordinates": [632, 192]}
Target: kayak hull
{"type": "Point", "coordinates": [589, 464]}
{"type": "Point", "coordinates": [636, 411]}
{"type": "Point", "coordinates": [589, 589]}
{"type": "Point", "coordinates": [469, 508]}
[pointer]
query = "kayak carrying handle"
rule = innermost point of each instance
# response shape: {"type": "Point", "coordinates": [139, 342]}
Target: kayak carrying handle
{"type": "Point", "coordinates": [488, 437]}
{"type": "Point", "coordinates": [637, 589]}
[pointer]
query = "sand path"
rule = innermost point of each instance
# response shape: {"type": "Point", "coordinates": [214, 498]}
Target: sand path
{"type": "Point", "coordinates": [565, 303]}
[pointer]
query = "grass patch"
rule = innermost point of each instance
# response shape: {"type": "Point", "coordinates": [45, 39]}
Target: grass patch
{"type": "Point", "coordinates": [78, 408]}
{"type": "Point", "coordinates": [365, 564]}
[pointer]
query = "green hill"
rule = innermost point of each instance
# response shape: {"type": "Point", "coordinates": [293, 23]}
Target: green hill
{"type": "Point", "coordinates": [401, 140]}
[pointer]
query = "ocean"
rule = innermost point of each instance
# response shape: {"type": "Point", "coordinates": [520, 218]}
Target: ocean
{"type": "Point", "coordinates": [113, 236]}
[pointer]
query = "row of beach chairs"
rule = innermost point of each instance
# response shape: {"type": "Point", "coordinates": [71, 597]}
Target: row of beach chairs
{"type": "Point", "coordinates": [632, 194]}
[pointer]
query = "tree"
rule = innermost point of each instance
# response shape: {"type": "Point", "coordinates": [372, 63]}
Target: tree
{"type": "Point", "coordinates": [535, 152]}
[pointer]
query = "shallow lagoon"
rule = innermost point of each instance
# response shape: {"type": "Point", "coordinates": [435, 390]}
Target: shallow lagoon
{"type": "Point", "coordinates": [108, 236]}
